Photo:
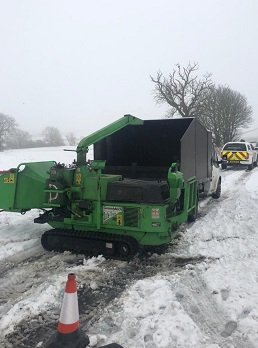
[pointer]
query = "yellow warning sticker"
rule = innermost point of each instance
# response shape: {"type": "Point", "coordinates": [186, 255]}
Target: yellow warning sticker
{"type": "Point", "coordinates": [78, 178]}
{"type": "Point", "coordinates": [112, 213]}
{"type": "Point", "coordinates": [119, 219]}
{"type": "Point", "coordinates": [9, 179]}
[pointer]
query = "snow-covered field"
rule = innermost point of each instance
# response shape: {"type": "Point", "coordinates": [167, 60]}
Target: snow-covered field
{"type": "Point", "coordinates": [202, 293]}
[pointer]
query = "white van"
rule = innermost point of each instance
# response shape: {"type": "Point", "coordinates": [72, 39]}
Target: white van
{"type": "Point", "coordinates": [238, 153]}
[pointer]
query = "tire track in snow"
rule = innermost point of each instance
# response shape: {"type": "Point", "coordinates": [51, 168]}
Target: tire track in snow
{"type": "Point", "coordinates": [97, 289]}
{"type": "Point", "coordinates": [197, 301]}
{"type": "Point", "coordinates": [20, 280]}
{"type": "Point", "coordinates": [193, 293]}
{"type": "Point", "coordinates": [19, 259]}
{"type": "Point", "coordinates": [114, 279]}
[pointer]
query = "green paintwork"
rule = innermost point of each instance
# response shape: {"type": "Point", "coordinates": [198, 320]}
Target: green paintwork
{"type": "Point", "coordinates": [81, 191]}
{"type": "Point", "coordinates": [84, 144]}
{"type": "Point", "coordinates": [149, 224]}
{"type": "Point", "coordinates": [22, 188]}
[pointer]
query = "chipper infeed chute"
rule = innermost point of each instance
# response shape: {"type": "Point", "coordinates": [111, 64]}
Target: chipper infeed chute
{"type": "Point", "coordinates": [23, 188]}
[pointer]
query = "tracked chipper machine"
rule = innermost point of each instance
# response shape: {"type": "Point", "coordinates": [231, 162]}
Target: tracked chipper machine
{"type": "Point", "coordinates": [142, 183]}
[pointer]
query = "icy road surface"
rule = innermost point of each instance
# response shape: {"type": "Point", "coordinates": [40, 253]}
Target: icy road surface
{"type": "Point", "coordinates": [201, 293]}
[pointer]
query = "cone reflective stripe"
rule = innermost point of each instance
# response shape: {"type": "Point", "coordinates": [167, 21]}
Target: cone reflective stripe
{"type": "Point", "coordinates": [68, 333]}
{"type": "Point", "coordinates": [69, 316]}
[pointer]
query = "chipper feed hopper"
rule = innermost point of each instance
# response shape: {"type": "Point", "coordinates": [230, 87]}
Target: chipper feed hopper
{"type": "Point", "coordinates": [141, 184]}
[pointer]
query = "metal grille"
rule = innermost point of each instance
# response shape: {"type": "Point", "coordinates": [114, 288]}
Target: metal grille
{"type": "Point", "coordinates": [169, 212]}
{"type": "Point", "coordinates": [131, 217]}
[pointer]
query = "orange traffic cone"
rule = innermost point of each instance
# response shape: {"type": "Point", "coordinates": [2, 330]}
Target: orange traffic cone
{"type": "Point", "coordinates": [68, 333]}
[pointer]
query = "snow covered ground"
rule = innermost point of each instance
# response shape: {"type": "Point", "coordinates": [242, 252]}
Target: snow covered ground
{"type": "Point", "coordinates": [202, 293]}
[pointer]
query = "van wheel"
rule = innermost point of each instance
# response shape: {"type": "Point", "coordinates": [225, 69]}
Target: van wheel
{"type": "Point", "coordinates": [217, 193]}
{"type": "Point", "coordinates": [193, 216]}
{"type": "Point", "coordinates": [250, 166]}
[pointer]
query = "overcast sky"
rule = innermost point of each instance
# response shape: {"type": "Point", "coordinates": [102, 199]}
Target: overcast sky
{"type": "Point", "coordinates": [79, 65]}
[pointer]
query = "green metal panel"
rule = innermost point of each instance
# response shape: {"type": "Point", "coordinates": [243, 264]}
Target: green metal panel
{"type": "Point", "coordinates": [23, 188]}
{"type": "Point", "coordinates": [7, 189]}
{"type": "Point", "coordinates": [149, 224]}
{"type": "Point", "coordinates": [92, 183]}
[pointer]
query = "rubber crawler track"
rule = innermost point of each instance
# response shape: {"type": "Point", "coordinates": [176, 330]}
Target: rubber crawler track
{"type": "Point", "coordinates": [90, 243]}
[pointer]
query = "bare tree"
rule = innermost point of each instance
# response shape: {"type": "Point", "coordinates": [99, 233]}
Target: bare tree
{"type": "Point", "coordinates": [70, 137]}
{"type": "Point", "coordinates": [182, 90]}
{"type": "Point", "coordinates": [52, 137]}
{"type": "Point", "coordinates": [7, 124]}
{"type": "Point", "coordinates": [225, 113]}
{"type": "Point", "coordinates": [18, 139]}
